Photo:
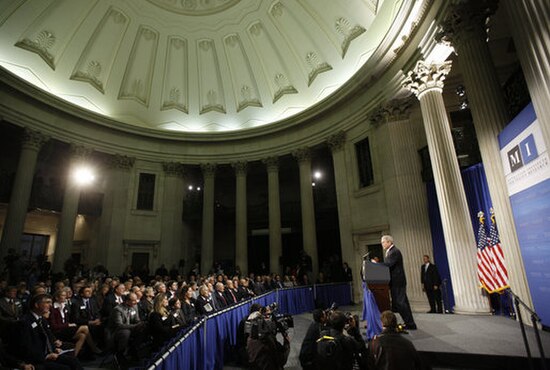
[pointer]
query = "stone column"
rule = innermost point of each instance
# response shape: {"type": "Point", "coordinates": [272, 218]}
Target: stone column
{"type": "Point", "coordinates": [241, 221]}
{"type": "Point", "coordinates": [337, 143]}
{"type": "Point", "coordinates": [405, 192]}
{"type": "Point", "coordinates": [171, 248]}
{"type": "Point", "coordinates": [21, 192]}
{"type": "Point", "coordinates": [426, 81]}
{"type": "Point", "coordinates": [465, 28]}
{"type": "Point", "coordinates": [207, 250]}
{"type": "Point", "coordinates": [114, 212]}
{"type": "Point", "coordinates": [274, 206]}
{"type": "Point", "coordinates": [309, 234]}
{"type": "Point", "coordinates": [529, 23]}
{"type": "Point", "coordinates": [71, 197]}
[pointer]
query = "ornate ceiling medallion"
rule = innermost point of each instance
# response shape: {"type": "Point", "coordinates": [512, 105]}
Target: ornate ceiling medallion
{"type": "Point", "coordinates": [195, 7]}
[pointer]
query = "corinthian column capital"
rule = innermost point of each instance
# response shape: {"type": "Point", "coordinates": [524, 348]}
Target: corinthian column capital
{"type": "Point", "coordinates": [466, 20]}
{"type": "Point", "coordinates": [336, 142]}
{"type": "Point", "coordinates": [173, 169]}
{"type": "Point", "coordinates": [302, 154]}
{"type": "Point", "coordinates": [33, 139]}
{"type": "Point", "coordinates": [394, 110]}
{"type": "Point", "coordinates": [208, 169]}
{"type": "Point", "coordinates": [121, 162]}
{"type": "Point", "coordinates": [240, 168]}
{"type": "Point", "coordinates": [426, 76]}
{"type": "Point", "coordinates": [272, 164]}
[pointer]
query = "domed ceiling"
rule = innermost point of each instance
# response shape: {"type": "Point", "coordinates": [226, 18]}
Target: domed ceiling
{"type": "Point", "coordinates": [191, 65]}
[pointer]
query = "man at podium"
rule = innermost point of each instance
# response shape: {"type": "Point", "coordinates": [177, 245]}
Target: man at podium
{"type": "Point", "coordinates": [398, 283]}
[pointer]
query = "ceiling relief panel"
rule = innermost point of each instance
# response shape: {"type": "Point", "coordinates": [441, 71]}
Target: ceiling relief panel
{"type": "Point", "coordinates": [244, 84]}
{"type": "Point", "coordinates": [138, 77]}
{"type": "Point", "coordinates": [175, 91]}
{"type": "Point", "coordinates": [275, 71]}
{"type": "Point", "coordinates": [195, 7]}
{"type": "Point", "coordinates": [211, 88]}
{"type": "Point", "coordinates": [311, 58]}
{"type": "Point", "coordinates": [193, 65]}
{"type": "Point", "coordinates": [48, 37]}
{"type": "Point", "coordinates": [96, 61]}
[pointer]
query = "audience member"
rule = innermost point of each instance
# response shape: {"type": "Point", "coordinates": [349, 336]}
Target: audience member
{"type": "Point", "coordinates": [162, 324]}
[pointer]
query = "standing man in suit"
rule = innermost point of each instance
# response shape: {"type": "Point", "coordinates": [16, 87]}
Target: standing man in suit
{"type": "Point", "coordinates": [11, 308]}
{"type": "Point", "coordinates": [431, 284]}
{"type": "Point", "coordinates": [398, 282]}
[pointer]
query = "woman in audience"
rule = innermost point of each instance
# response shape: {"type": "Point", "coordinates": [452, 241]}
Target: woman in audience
{"type": "Point", "coordinates": [101, 293]}
{"type": "Point", "coordinates": [64, 330]}
{"type": "Point", "coordinates": [161, 324]}
{"type": "Point", "coordinates": [287, 283]}
{"type": "Point", "coordinates": [145, 305]}
{"type": "Point", "coordinates": [174, 305]}
{"type": "Point", "coordinates": [188, 304]}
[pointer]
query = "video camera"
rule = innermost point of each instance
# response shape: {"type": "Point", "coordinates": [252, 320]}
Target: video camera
{"type": "Point", "coordinates": [268, 323]}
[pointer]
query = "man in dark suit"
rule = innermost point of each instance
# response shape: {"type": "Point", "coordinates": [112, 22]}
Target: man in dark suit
{"type": "Point", "coordinates": [35, 343]}
{"type": "Point", "coordinates": [11, 308]}
{"type": "Point", "coordinates": [398, 282]}
{"type": "Point", "coordinates": [85, 310]}
{"type": "Point", "coordinates": [203, 304]}
{"type": "Point", "coordinates": [431, 284]}
{"type": "Point", "coordinates": [218, 297]}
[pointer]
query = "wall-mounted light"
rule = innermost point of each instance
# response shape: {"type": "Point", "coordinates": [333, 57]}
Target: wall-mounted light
{"type": "Point", "coordinates": [83, 176]}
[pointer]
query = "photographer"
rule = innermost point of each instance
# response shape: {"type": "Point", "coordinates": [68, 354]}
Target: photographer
{"type": "Point", "coordinates": [265, 352]}
{"type": "Point", "coordinates": [391, 350]}
{"type": "Point", "coordinates": [341, 346]}
{"type": "Point", "coordinates": [308, 351]}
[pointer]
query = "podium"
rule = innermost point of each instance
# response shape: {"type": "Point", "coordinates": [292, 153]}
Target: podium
{"type": "Point", "coordinates": [377, 278]}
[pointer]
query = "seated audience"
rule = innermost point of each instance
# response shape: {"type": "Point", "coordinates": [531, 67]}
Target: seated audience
{"type": "Point", "coordinates": [126, 327]}
{"type": "Point", "coordinates": [145, 305]}
{"type": "Point", "coordinates": [11, 308]}
{"type": "Point", "coordinates": [162, 325]}
{"type": "Point", "coordinates": [174, 306]}
{"type": "Point", "coordinates": [188, 305]}
{"type": "Point", "coordinates": [204, 301]}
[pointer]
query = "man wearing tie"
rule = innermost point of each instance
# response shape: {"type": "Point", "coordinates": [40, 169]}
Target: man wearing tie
{"type": "Point", "coordinates": [431, 284]}
{"type": "Point", "coordinates": [35, 343]}
{"type": "Point", "coordinates": [398, 282]}
{"type": "Point", "coordinates": [10, 306]}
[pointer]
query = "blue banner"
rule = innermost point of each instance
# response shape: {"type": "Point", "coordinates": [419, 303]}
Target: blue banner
{"type": "Point", "coordinates": [526, 165]}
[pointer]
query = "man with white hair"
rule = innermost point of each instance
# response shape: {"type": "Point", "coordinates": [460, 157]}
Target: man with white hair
{"type": "Point", "coordinates": [398, 282]}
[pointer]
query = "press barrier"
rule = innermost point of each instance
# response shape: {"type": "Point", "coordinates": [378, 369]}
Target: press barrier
{"type": "Point", "coordinates": [203, 345]}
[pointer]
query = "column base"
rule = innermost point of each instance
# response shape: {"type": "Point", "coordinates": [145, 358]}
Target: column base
{"type": "Point", "coordinates": [471, 311]}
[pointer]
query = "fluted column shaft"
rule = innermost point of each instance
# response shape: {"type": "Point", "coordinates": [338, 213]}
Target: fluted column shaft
{"type": "Point", "coordinates": [274, 206]}
{"type": "Point", "coordinates": [171, 248]}
{"type": "Point", "coordinates": [114, 212]}
{"type": "Point", "coordinates": [309, 233]}
{"type": "Point", "coordinates": [490, 116]}
{"type": "Point", "coordinates": [207, 250]}
{"type": "Point", "coordinates": [69, 210]}
{"type": "Point", "coordinates": [405, 192]}
{"type": "Point", "coordinates": [530, 27]}
{"type": "Point", "coordinates": [337, 145]}
{"type": "Point", "coordinates": [21, 192]}
{"type": "Point", "coordinates": [427, 82]}
{"type": "Point", "coordinates": [241, 221]}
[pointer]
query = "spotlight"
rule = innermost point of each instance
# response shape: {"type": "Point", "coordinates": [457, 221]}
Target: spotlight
{"type": "Point", "coordinates": [83, 176]}
{"type": "Point", "coordinates": [464, 105]}
{"type": "Point", "coordinates": [460, 91]}
{"type": "Point", "coordinates": [317, 175]}
{"type": "Point", "coordinates": [313, 184]}
{"type": "Point", "coordinates": [198, 188]}
{"type": "Point", "coordinates": [190, 187]}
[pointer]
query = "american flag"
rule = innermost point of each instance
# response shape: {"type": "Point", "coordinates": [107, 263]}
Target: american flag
{"type": "Point", "coordinates": [491, 269]}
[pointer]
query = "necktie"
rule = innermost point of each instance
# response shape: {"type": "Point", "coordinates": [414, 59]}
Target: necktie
{"type": "Point", "coordinates": [49, 347]}
{"type": "Point", "coordinates": [233, 295]}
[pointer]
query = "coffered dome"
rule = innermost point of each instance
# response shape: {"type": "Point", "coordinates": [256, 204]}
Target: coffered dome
{"type": "Point", "coordinates": [192, 65]}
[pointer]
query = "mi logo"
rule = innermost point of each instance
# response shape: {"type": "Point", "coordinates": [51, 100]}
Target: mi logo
{"type": "Point", "coordinates": [523, 153]}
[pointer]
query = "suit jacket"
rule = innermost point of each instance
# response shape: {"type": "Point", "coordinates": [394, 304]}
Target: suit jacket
{"type": "Point", "coordinates": [394, 260]}
{"type": "Point", "coordinates": [57, 321]}
{"type": "Point", "coordinates": [82, 314]}
{"type": "Point", "coordinates": [229, 297]}
{"type": "Point", "coordinates": [31, 338]}
{"type": "Point", "coordinates": [124, 317]}
{"type": "Point", "coordinates": [220, 302]}
{"type": "Point", "coordinates": [6, 311]}
{"type": "Point", "coordinates": [429, 277]}
{"type": "Point", "coordinates": [108, 304]}
{"type": "Point", "coordinates": [204, 305]}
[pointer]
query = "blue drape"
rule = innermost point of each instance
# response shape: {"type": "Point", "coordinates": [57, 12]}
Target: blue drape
{"type": "Point", "coordinates": [371, 313]}
{"type": "Point", "coordinates": [209, 342]}
{"type": "Point", "coordinates": [328, 294]}
{"type": "Point", "coordinates": [479, 199]}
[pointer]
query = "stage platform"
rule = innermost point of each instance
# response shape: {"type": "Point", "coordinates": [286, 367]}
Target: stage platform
{"type": "Point", "coordinates": [452, 341]}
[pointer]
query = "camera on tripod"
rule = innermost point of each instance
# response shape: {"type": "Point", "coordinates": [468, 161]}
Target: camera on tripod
{"type": "Point", "coordinates": [268, 322]}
